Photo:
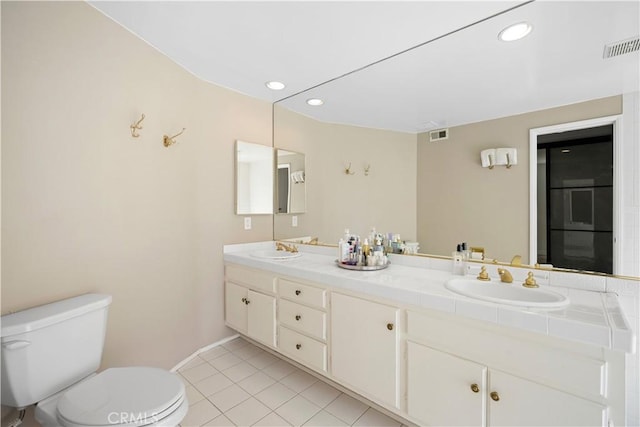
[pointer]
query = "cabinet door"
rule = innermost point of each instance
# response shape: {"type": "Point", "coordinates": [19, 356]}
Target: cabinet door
{"type": "Point", "coordinates": [444, 390]}
{"type": "Point", "coordinates": [364, 346]}
{"type": "Point", "coordinates": [261, 324]}
{"type": "Point", "coordinates": [521, 402]}
{"type": "Point", "coordinates": [235, 307]}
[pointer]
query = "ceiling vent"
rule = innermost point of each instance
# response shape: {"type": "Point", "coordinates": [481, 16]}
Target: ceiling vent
{"type": "Point", "coordinates": [438, 135]}
{"type": "Point", "coordinates": [622, 47]}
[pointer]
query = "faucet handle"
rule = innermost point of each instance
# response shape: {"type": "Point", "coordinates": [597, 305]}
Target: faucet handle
{"type": "Point", "coordinates": [530, 281]}
{"type": "Point", "coordinates": [516, 261]}
{"type": "Point", "coordinates": [483, 275]}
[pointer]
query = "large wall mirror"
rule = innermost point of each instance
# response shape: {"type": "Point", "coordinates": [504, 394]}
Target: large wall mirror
{"type": "Point", "coordinates": [254, 178]}
{"type": "Point", "coordinates": [375, 162]}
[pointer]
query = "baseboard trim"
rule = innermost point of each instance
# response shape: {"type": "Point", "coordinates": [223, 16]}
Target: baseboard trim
{"type": "Point", "coordinates": [202, 350]}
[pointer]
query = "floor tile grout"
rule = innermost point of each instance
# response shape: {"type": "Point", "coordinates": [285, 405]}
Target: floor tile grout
{"type": "Point", "coordinates": [239, 351]}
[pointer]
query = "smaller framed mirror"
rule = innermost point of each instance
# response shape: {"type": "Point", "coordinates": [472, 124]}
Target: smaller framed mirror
{"type": "Point", "coordinates": [291, 187]}
{"type": "Point", "coordinates": [254, 179]}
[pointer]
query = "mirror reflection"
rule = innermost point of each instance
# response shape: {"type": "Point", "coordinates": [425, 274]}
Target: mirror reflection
{"type": "Point", "coordinates": [290, 182]}
{"type": "Point", "coordinates": [486, 93]}
{"type": "Point", "coordinates": [254, 179]}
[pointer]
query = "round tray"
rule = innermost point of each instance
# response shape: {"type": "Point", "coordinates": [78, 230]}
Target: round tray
{"type": "Point", "coordinates": [362, 267]}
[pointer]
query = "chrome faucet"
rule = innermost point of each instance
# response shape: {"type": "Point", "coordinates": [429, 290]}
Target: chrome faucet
{"type": "Point", "coordinates": [505, 276]}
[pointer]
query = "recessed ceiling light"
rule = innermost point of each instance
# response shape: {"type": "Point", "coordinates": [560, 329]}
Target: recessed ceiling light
{"type": "Point", "coordinates": [515, 32]}
{"type": "Point", "coordinates": [274, 85]}
{"type": "Point", "coordinates": [315, 102]}
{"type": "Point", "coordinates": [566, 150]}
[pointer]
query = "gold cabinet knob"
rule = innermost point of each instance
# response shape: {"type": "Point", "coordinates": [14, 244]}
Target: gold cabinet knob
{"type": "Point", "coordinates": [494, 395]}
{"type": "Point", "coordinates": [298, 317]}
{"type": "Point", "coordinates": [475, 388]}
{"type": "Point", "coordinates": [298, 291]}
{"type": "Point", "coordinates": [390, 326]}
{"type": "Point", "coordinates": [244, 300]}
{"type": "Point", "coordinates": [298, 346]}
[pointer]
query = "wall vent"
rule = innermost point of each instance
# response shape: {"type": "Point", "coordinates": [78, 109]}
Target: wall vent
{"type": "Point", "coordinates": [438, 135]}
{"type": "Point", "coordinates": [622, 47]}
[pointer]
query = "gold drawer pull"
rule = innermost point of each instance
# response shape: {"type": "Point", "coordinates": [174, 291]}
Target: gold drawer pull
{"type": "Point", "coordinates": [494, 395]}
{"type": "Point", "coordinates": [298, 346]}
{"type": "Point", "coordinates": [298, 291]}
{"type": "Point", "coordinates": [390, 326]}
{"type": "Point", "coordinates": [298, 317]}
{"type": "Point", "coordinates": [475, 388]}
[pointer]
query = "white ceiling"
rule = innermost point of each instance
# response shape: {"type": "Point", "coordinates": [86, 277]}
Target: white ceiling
{"type": "Point", "coordinates": [463, 77]}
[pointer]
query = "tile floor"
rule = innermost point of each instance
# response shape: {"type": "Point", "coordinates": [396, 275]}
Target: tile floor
{"type": "Point", "coordinates": [239, 384]}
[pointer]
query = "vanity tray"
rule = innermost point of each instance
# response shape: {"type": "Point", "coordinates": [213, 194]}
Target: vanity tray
{"type": "Point", "coordinates": [362, 267]}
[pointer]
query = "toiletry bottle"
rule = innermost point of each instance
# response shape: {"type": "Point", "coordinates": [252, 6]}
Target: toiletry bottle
{"type": "Point", "coordinates": [456, 256]}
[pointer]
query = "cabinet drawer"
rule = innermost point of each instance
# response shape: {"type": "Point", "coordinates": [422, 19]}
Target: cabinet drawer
{"type": "Point", "coordinates": [528, 358]}
{"type": "Point", "coordinates": [251, 278]}
{"type": "Point", "coordinates": [303, 318]}
{"type": "Point", "coordinates": [305, 294]}
{"type": "Point", "coordinates": [303, 349]}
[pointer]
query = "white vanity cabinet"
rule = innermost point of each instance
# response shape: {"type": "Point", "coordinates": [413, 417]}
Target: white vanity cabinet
{"type": "Point", "coordinates": [458, 376]}
{"type": "Point", "coordinates": [443, 389]}
{"type": "Point", "coordinates": [365, 347]}
{"type": "Point", "coordinates": [250, 303]}
{"type": "Point", "coordinates": [429, 366]}
{"type": "Point", "coordinates": [302, 323]}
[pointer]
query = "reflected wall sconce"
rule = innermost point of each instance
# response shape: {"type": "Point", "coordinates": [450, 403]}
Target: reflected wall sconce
{"type": "Point", "coordinates": [135, 127]}
{"type": "Point", "coordinates": [297, 177]}
{"type": "Point", "coordinates": [499, 157]}
{"type": "Point", "coordinates": [366, 170]}
{"type": "Point", "coordinates": [170, 140]}
{"type": "Point", "coordinates": [348, 171]}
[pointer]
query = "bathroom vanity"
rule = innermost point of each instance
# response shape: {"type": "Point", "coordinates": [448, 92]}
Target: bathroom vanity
{"type": "Point", "coordinates": [403, 341]}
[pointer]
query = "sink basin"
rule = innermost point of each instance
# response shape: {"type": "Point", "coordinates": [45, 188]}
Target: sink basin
{"type": "Point", "coordinates": [511, 294]}
{"type": "Point", "coordinates": [273, 254]}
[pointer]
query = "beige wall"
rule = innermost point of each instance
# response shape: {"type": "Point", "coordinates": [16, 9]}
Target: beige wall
{"type": "Point", "coordinates": [88, 208]}
{"type": "Point", "coordinates": [458, 200]}
{"type": "Point", "coordinates": [385, 199]}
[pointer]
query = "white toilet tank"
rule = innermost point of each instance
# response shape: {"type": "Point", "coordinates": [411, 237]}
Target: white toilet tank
{"type": "Point", "coordinates": [47, 348]}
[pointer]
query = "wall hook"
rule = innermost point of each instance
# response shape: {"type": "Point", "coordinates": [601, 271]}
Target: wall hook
{"type": "Point", "coordinates": [347, 170]}
{"type": "Point", "coordinates": [135, 127]}
{"type": "Point", "coordinates": [169, 140]}
{"type": "Point", "coordinates": [366, 170]}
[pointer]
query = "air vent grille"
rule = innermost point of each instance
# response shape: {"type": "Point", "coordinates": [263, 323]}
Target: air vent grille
{"type": "Point", "coordinates": [438, 135]}
{"type": "Point", "coordinates": [622, 47]}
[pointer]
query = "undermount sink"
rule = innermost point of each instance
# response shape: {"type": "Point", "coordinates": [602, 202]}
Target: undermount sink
{"type": "Point", "coordinates": [274, 254]}
{"type": "Point", "coordinates": [512, 294]}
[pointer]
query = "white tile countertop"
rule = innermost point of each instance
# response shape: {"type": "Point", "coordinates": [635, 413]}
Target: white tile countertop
{"type": "Point", "coordinates": [593, 316]}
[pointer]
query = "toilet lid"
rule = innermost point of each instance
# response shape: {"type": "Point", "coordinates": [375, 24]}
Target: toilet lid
{"type": "Point", "coordinates": [132, 396]}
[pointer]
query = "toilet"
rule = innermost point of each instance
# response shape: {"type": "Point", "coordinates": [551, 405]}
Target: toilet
{"type": "Point", "coordinates": [50, 356]}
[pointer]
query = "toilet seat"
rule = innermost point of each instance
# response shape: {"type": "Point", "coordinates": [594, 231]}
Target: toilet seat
{"type": "Point", "coordinates": [132, 396]}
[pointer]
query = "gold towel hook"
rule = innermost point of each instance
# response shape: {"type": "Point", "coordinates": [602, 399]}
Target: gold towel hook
{"type": "Point", "coordinates": [347, 170]}
{"type": "Point", "coordinates": [135, 127]}
{"type": "Point", "coordinates": [169, 140]}
{"type": "Point", "coordinates": [366, 170]}
{"type": "Point", "coordinates": [508, 161]}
